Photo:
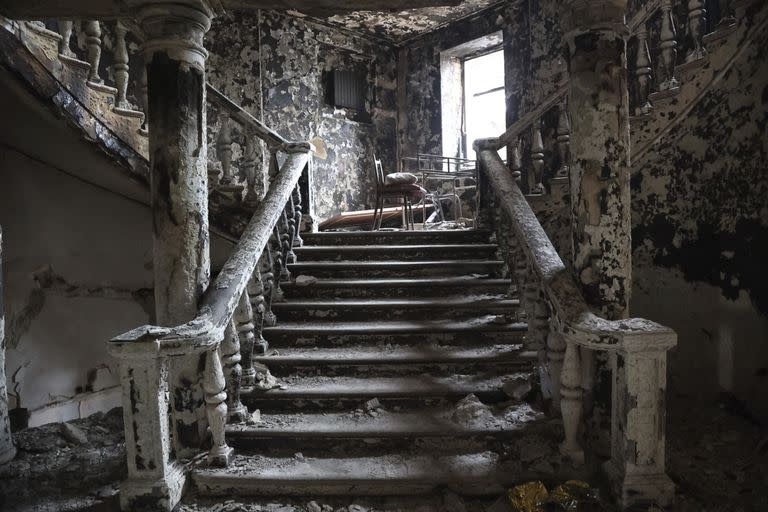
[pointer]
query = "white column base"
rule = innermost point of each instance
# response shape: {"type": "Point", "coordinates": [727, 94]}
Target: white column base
{"type": "Point", "coordinates": [162, 494]}
{"type": "Point", "coordinates": [631, 489]}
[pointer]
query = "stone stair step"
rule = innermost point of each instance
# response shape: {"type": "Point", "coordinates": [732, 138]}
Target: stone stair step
{"type": "Point", "coordinates": [389, 475]}
{"type": "Point", "coordinates": [391, 309]}
{"type": "Point", "coordinates": [396, 237]}
{"type": "Point", "coordinates": [394, 252]}
{"type": "Point", "coordinates": [392, 360]}
{"type": "Point", "coordinates": [395, 268]}
{"type": "Point", "coordinates": [486, 387]}
{"type": "Point", "coordinates": [395, 354]}
{"type": "Point", "coordinates": [359, 424]}
{"type": "Point", "coordinates": [394, 287]}
{"type": "Point", "coordinates": [317, 333]}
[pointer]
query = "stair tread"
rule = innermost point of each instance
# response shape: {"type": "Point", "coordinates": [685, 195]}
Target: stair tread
{"type": "Point", "coordinates": [401, 354]}
{"type": "Point", "coordinates": [308, 387]}
{"type": "Point", "coordinates": [391, 247]}
{"type": "Point", "coordinates": [399, 281]}
{"type": "Point", "coordinates": [386, 468]}
{"type": "Point", "coordinates": [431, 422]}
{"type": "Point", "coordinates": [483, 323]}
{"type": "Point", "coordinates": [392, 263]}
{"type": "Point", "coordinates": [478, 301]}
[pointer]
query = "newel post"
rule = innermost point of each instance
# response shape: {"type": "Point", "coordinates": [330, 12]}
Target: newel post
{"type": "Point", "coordinates": [637, 467]}
{"type": "Point", "coordinates": [155, 481]}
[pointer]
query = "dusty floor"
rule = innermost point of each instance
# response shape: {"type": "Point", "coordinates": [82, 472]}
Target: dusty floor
{"type": "Point", "coordinates": [717, 453]}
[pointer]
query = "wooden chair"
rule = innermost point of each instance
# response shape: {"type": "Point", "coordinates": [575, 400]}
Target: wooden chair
{"type": "Point", "coordinates": [405, 192]}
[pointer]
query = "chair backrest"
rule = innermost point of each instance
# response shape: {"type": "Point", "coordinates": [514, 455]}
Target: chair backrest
{"type": "Point", "coordinates": [378, 174]}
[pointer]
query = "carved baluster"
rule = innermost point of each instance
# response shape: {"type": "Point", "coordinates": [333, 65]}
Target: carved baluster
{"type": "Point", "coordinates": [121, 67]}
{"type": "Point", "coordinates": [281, 237]}
{"type": "Point", "coordinates": [233, 371]}
{"type": "Point", "coordinates": [697, 19]}
{"type": "Point", "coordinates": [290, 213]}
{"type": "Point", "coordinates": [224, 148]}
{"type": "Point", "coordinates": [555, 355]}
{"type": "Point", "coordinates": [93, 44]}
{"type": "Point", "coordinates": [517, 160]}
{"type": "Point", "coordinates": [297, 240]}
{"type": "Point", "coordinates": [537, 156]}
{"type": "Point", "coordinates": [643, 73]}
{"type": "Point", "coordinates": [65, 29]}
{"type": "Point", "coordinates": [255, 191]}
{"type": "Point", "coordinates": [144, 100]}
{"type": "Point", "coordinates": [216, 409]}
{"type": "Point", "coordinates": [258, 302]}
{"type": "Point", "coordinates": [570, 403]}
{"type": "Point", "coordinates": [563, 141]}
{"type": "Point", "coordinates": [277, 264]}
{"type": "Point", "coordinates": [668, 47]}
{"type": "Point", "coordinates": [268, 278]}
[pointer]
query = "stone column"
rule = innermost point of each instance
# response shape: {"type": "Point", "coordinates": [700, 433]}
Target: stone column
{"type": "Point", "coordinates": [599, 174]}
{"type": "Point", "coordinates": [175, 65]}
{"type": "Point", "coordinates": [7, 450]}
{"type": "Point", "coordinates": [599, 110]}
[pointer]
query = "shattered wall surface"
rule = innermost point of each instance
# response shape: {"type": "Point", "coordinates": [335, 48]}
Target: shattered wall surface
{"type": "Point", "coordinates": [700, 234]}
{"type": "Point", "coordinates": [74, 278]}
{"type": "Point", "coordinates": [279, 67]}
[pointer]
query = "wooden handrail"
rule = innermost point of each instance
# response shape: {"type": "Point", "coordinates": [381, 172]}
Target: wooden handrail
{"type": "Point", "coordinates": [220, 300]}
{"type": "Point", "coordinates": [517, 128]}
{"type": "Point", "coordinates": [237, 112]}
{"type": "Point", "coordinates": [572, 311]}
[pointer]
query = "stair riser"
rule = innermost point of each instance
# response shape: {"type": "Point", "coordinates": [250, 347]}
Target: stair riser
{"type": "Point", "coordinates": [397, 238]}
{"type": "Point", "coordinates": [347, 487]}
{"type": "Point", "coordinates": [273, 404]}
{"type": "Point", "coordinates": [392, 370]}
{"type": "Point", "coordinates": [291, 339]}
{"type": "Point", "coordinates": [469, 253]}
{"type": "Point", "coordinates": [342, 272]}
{"type": "Point", "coordinates": [297, 292]}
{"type": "Point", "coordinates": [318, 446]}
{"type": "Point", "coordinates": [388, 313]}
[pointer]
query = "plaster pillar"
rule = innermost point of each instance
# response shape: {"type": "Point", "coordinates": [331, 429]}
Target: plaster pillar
{"type": "Point", "coordinates": [599, 181]}
{"type": "Point", "coordinates": [7, 450]}
{"type": "Point", "coordinates": [175, 65]}
{"type": "Point", "coordinates": [599, 110]}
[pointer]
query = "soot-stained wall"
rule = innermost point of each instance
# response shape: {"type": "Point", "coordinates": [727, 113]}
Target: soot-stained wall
{"type": "Point", "coordinates": [279, 68]}
{"type": "Point", "coordinates": [700, 234]}
{"type": "Point", "coordinates": [420, 125]}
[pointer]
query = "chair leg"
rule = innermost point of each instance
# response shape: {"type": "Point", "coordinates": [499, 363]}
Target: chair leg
{"type": "Point", "coordinates": [375, 211]}
{"type": "Point", "coordinates": [405, 213]}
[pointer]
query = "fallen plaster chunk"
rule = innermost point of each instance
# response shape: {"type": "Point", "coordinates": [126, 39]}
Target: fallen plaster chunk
{"type": "Point", "coordinates": [73, 434]}
{"type": "Point", "coordinates": [264, 380]}
{"type": "Point", "coordinates": [306, 281]}
{"type": "Point", "coordinates": [517, 389]}
{"type": "Point", "coordinates": [471, 410]}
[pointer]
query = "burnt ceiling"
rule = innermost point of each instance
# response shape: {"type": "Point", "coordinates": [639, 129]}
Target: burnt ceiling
{"type": "Point", "coordinates": [399, 26]}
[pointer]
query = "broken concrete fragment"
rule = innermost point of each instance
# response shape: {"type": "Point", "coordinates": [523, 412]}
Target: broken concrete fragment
{"type": "Point", "coordinates": [305, 280]}
{"type": "Point", "coordinates": [517, 389]}
{"type": "Point", "coordinates": [372, 404]}
{"type": "Point", "coordinates": [312, 506]}
{"type": "Point", "coordinates": [264, 380]}
{"type": "Point", "coordinates": [73, 434]}
{"type": "Point", "coordinates": [471, 410]}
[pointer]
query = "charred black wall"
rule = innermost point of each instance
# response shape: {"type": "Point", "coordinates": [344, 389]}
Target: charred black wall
{"type": "Point", "coordinates": [278, 67]}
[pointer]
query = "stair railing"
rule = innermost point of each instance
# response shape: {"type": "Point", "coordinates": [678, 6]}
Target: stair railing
{"type": "Point", "coordinates": [566, 333]}
{"type": "Point", "coordinates": [226, 329]}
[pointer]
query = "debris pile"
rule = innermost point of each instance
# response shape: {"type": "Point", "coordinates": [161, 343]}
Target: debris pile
{"type": "Point", "coordinates": [572, 496]}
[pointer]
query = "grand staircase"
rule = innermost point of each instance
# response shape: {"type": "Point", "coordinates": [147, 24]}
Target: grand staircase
{"type": "Point", "coordinates": [401, 369]}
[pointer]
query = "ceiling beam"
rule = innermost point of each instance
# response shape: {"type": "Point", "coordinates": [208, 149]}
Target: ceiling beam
{"type": "Point", "coordinates": [106, 9]}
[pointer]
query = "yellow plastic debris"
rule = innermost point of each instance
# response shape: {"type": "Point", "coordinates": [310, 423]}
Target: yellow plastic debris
{"type": "Point", "coordinates": [526, 497]}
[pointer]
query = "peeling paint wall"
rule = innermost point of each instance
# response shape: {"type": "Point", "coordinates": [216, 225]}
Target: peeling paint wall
{"type": "Point", "coordinates": [74, 278]}
{"type": "Point", "coordinates": [280, 67]}
{"type": "Point", "coordinates": [700, 235]}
